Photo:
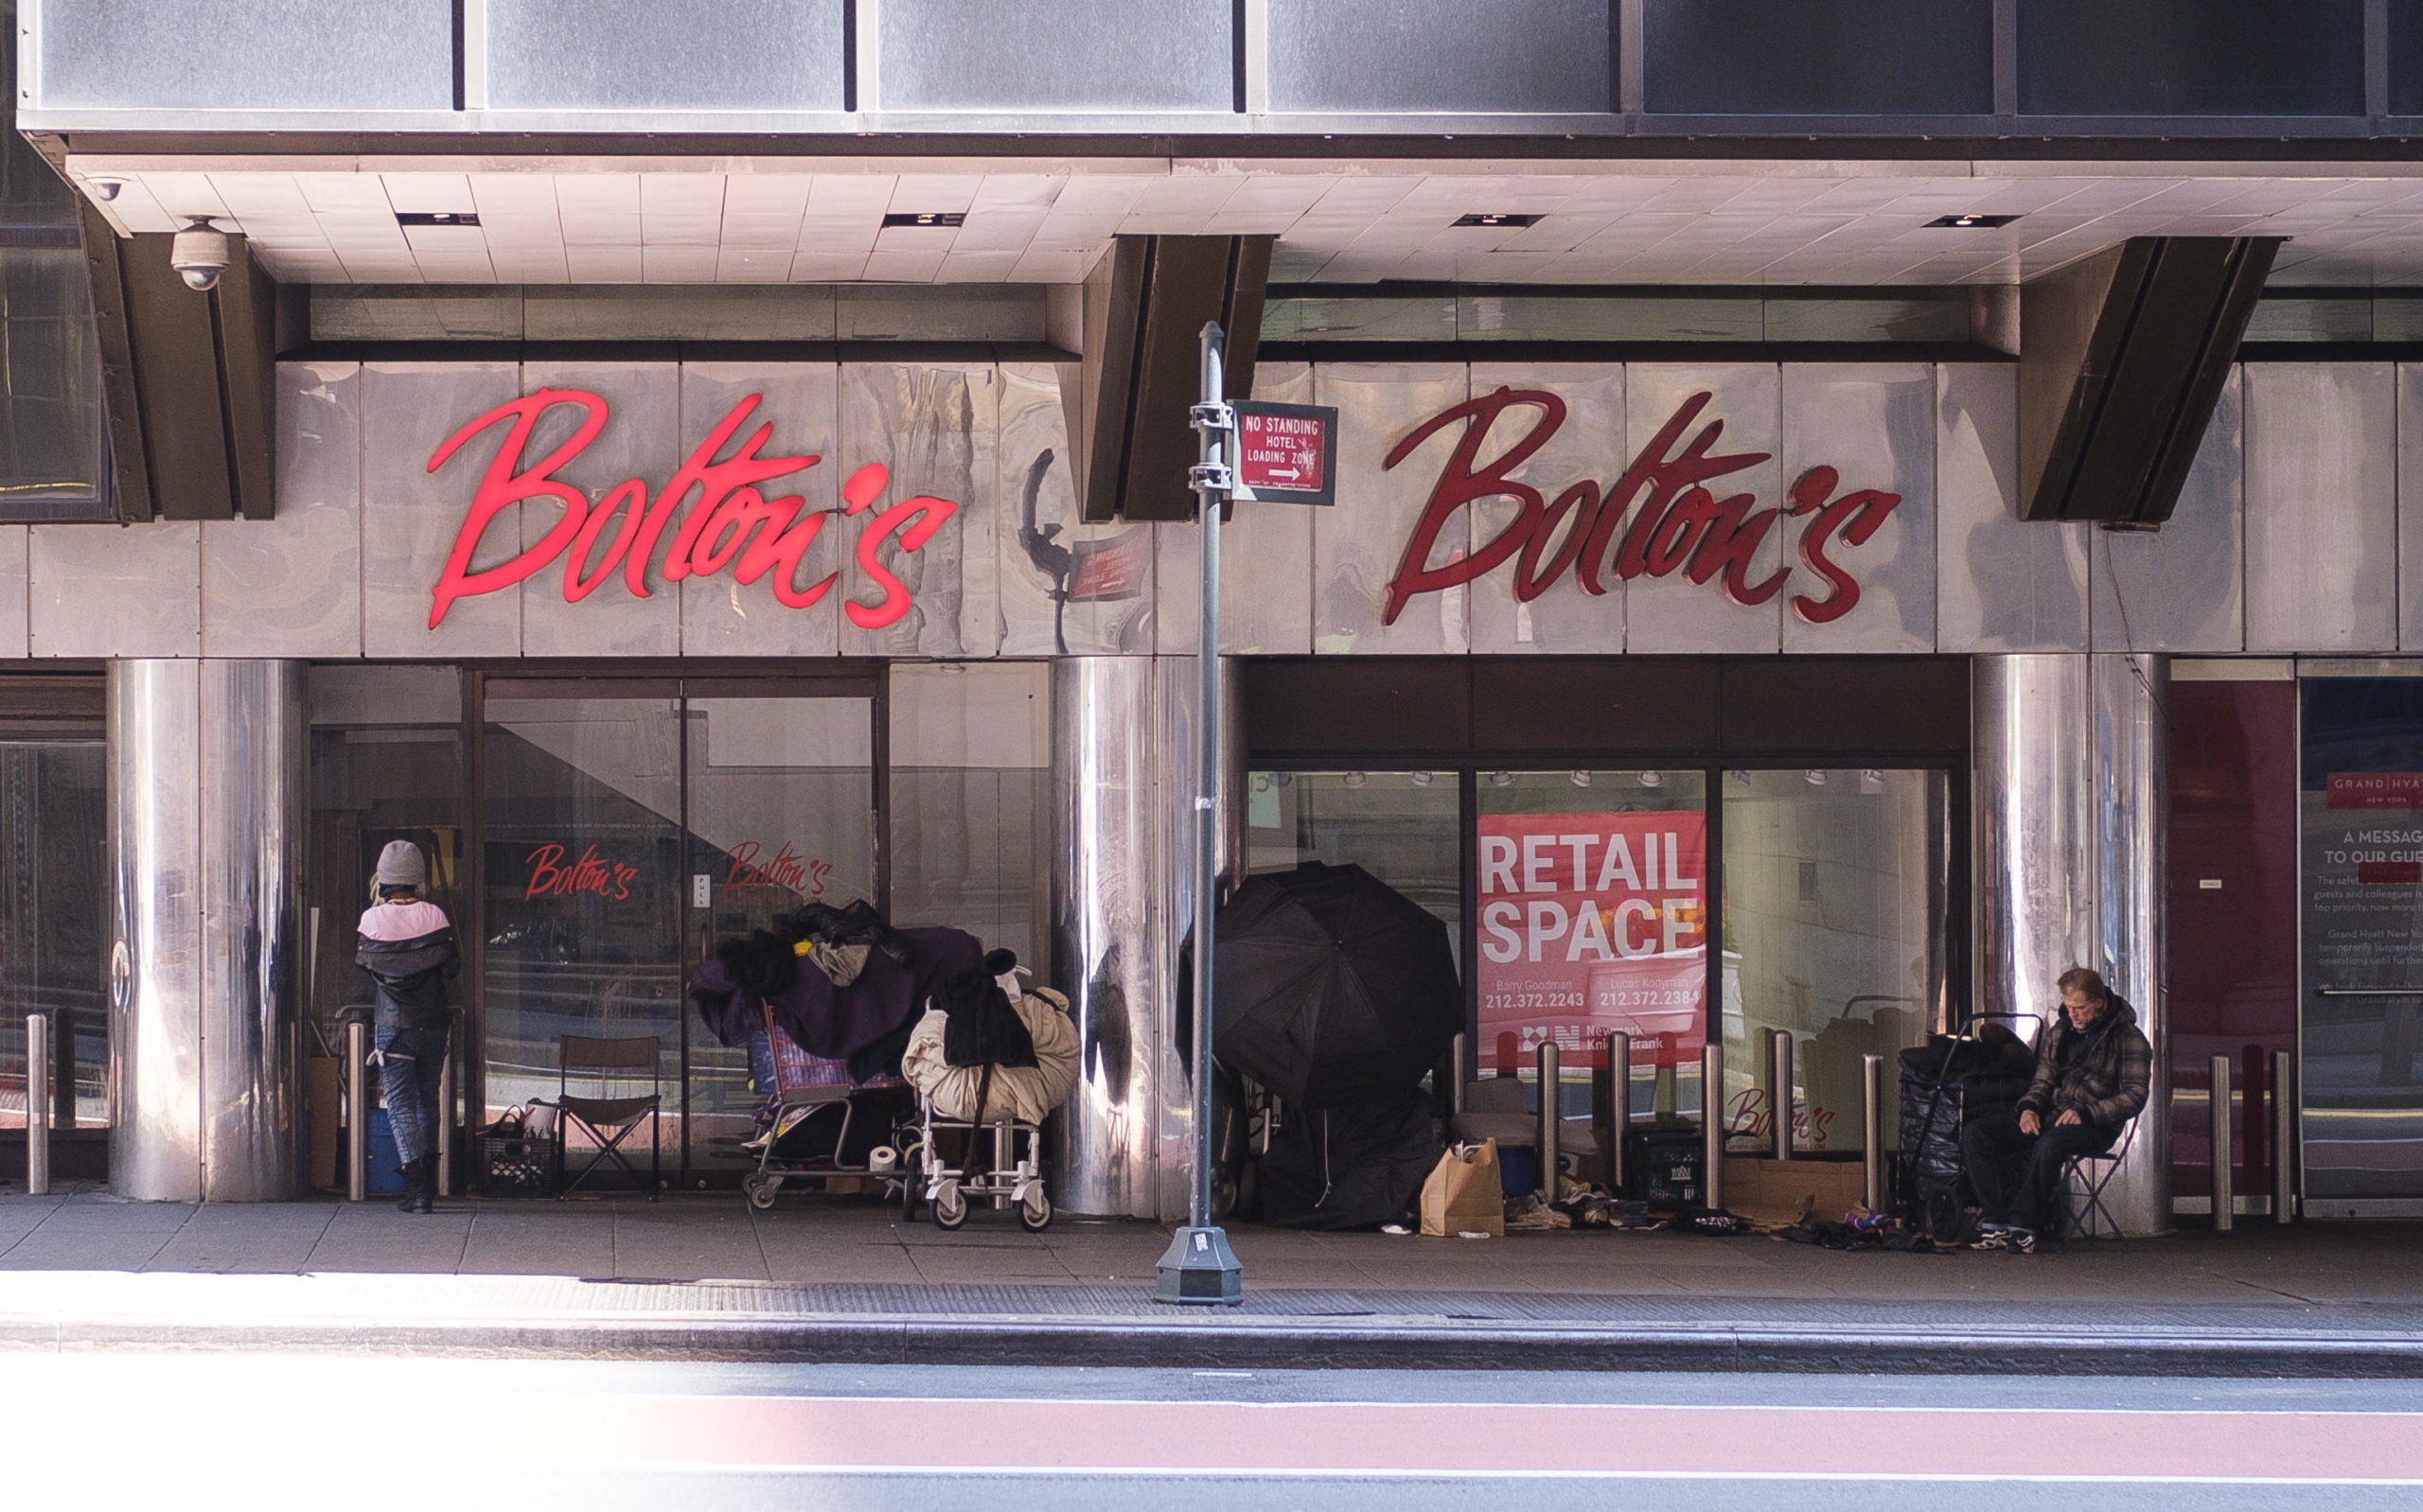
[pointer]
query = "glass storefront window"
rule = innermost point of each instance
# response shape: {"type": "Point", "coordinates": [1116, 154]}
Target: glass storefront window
{"type": "Point", "coordinates": [1399, 826]}
{"type": "Point", "coordinates": [1591, 887]}
{"type": "Point", "coordinates": [54, 923]}
{"type": "Point", "coordinates": [1833, 900]}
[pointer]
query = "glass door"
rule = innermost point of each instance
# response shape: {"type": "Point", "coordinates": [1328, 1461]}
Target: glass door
{"type": "Point", "coordinates": [54, 923]}
{"type": "Point", "coordinates": [780, 813]}
{"type": "Point", "coordinates": [2360, 844]}
{"type": "Point", "coordinates": [580, 884]}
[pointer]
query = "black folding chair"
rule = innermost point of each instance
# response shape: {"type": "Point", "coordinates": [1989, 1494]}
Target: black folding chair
{"type": "Point", "coordinates": [2084, 1181]}
{"type": "Point", "coordinates": [609, 1121]}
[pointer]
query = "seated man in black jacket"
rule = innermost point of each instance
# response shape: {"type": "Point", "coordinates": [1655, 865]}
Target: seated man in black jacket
{"type": "Point", "coordinates": [2094, 1068]}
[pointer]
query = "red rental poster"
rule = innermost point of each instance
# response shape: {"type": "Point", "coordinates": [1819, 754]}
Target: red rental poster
{"type": "Point", "coordinates": [1591, 923]}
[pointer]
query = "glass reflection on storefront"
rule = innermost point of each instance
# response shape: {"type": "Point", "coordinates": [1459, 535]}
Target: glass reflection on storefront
{"type": "Point", "coordinates": [54, 919]}
{"type": "Point", "coordinates": [1832, 921]}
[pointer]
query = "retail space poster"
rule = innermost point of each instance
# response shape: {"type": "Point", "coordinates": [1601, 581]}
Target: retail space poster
{"type": "Point", "coordinates": [1592, 923]}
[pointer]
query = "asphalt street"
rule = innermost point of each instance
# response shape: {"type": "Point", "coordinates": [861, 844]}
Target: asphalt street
{"type": "Point", "coordinates": [122, 1429]}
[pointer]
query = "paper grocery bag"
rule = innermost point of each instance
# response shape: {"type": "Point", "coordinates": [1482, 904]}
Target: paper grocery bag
{"type": "Point", "coordinates": [1461, 1195]}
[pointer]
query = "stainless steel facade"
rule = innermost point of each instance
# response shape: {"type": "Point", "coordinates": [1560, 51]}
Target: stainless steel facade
{"type": "Point", "coordinates": [206, 827]}
{"type": "Point", "coordinates": [2069, 795]}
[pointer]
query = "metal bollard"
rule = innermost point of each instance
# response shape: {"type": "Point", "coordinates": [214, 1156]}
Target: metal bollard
{"type": "Point", "coordinates": [38, 1099]}
{"type": "Point", "coordinates": [1872, 1124]}
{"type": "Point", "coordinates": [2223, 1151]}
{"type": "Point", "coordinates": [357, 1111]}
{"type": "Point", "coordinates": [2284, 1138]}
{"type": "Point", "coordinates": [1459, 1071]}
{"type": "Point", "coordinates": [1712, 1126]}
{"type": "Point", "coordinates": [446, 1123]}
{"type": "Point", "coordinates": [1619, 1103]}
{"type": "Point", "coordinates": [1552, 1117]}
{"type": "Point", "coordinates": [1779, 1092]}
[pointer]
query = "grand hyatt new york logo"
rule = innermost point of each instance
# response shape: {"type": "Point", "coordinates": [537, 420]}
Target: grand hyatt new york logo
{"type": "Point", "coordinates": [1681, 525]}
{"type": "Point", "coordinates": [730, 525]}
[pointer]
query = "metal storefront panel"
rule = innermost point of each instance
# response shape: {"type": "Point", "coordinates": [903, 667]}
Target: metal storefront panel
{"type": "Point", "coordinates": [2320, 506]}
{"type": "Point", "coordinates": [2002, 584]}
{"type": "Point", "coordinates": [14, 546]}
{"type": "Point", "coordinates": [1875, 424]}
{"type": "Point", "coordinates": [1358, 542]}
{"type": "Point", "coordinates": [1671, 613]}
{"type": "Point", "coordinates": [291, 586]}
{"type": "Point", "coordinates": [935, 427]}
{"type": "Point", "coordinates": [1055, 55]}
{"type": "Point", "coordinates": [237, 54]}
{"type": "Point", "coordinates": [1265, 561]}
{"type": "Point", "coordinates": [2179, 589]}
{"type": "Point", "coordinates": [1398, 57]}
{"type": "Point", "coordinates": [642, 439]}
{"type": "Point", "coordinates": [1067, 588]}
{"type": "Point", "coordinates": [103, 591]}
{"type": "Point", "coordinates": [2410, 510]}
{"type": "Point", "coordinates": [1586, 451]}
{"type": "Point", "coordinates": [411, 516]}
{"type": "Point", "coordinates": [634, 54]}
{"type": "Point", "coordinates": [721, 615]}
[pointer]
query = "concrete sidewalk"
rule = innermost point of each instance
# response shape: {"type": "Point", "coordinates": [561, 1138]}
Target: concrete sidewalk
{"type": "Point", "coordinates": [843, 1280]}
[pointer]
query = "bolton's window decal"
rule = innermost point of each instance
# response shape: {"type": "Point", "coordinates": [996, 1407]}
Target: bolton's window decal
{"type": "Point", "coordinates": [730, 524]}
{"type": "Point", "coordinates": [1680, 523]}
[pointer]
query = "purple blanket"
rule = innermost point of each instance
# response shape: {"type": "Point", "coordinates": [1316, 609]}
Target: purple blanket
{"type": "Point", "coordinates": [836, 1023]}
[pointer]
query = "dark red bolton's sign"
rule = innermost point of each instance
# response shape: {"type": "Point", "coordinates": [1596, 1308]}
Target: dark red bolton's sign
{"type": "Point", "coordinates": [729, 522]}
{"type": "Point", "coordinates": [1659, 518]}
{"type": "Point", "coordinates": [1283, 451]}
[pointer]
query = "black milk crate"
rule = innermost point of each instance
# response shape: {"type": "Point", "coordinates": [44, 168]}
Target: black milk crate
{"type": "Point", "coordinates": [1662, 1167]}
{"type": "Point", "coordinates": [515, 1165]}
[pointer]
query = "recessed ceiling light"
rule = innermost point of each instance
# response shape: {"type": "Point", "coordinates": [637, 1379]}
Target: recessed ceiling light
{"type": "Point", "coordinates": [1498, 220]}
{"type": "Point", "coordinates": [1970, 222]}
{"type": "Point", "coordinates": [437, 218]}
{"type": "Point", "coordinates": [927, 217]}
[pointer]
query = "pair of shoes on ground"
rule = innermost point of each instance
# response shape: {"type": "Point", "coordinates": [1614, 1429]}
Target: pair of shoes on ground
{"type": "Point", "coordinates": [2004, 1236]}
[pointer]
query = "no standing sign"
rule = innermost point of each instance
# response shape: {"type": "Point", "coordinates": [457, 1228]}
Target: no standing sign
{"type": "Point", "coordinates": [1286, 453]}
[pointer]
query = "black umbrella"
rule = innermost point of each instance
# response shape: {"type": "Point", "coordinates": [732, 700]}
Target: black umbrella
{"type": "Point", "coordinates": [1333, 987]}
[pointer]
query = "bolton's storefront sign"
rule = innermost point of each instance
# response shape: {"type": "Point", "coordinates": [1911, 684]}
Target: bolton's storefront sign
{"type": "Point", "coordinates": [1659, 518]}
{"type": "Point", "coordinates": [1591, 923]}
{"type": "Point", "coordinates": [729, 522]}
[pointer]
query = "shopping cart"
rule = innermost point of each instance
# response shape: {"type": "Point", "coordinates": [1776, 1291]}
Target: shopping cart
{"type": "Point", "coordinates": [818, 1129]}
{"type": "Point", "coordinates": [1009, 1173]}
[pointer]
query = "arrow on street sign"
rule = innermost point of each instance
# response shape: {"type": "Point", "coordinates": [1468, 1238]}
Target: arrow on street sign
{"type": "Point", "coordinates": [1286, 453]}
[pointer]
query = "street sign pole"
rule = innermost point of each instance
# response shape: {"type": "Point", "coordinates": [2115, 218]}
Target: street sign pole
{"type": "Point", "coordinates": [1199, 1266]}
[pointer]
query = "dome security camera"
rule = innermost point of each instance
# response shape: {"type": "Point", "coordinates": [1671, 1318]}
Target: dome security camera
{"type": "Point", "coordinates": [199, 255]}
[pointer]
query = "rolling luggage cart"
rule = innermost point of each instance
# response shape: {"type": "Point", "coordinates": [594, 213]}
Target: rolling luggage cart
{"type": "Point", "coordinates": [808, 1088]}
{"type": "Point", "coordinates": [1014, 1175]}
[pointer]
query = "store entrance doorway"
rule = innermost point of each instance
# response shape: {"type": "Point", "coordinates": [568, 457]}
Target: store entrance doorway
{"type": "Point", "coordinates": [624, 823]}
{"type": "Point", "coordinates": [2361, 865]}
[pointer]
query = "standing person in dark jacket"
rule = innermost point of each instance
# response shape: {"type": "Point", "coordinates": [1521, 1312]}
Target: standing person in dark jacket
{"type": "Point", "coordinates": [2094, 1069]}
{"type": "Point", "coordinates": [406, 954]}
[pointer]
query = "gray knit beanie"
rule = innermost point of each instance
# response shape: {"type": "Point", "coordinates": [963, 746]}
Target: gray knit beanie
{"type": "Point", "coordinates": [400, 866]}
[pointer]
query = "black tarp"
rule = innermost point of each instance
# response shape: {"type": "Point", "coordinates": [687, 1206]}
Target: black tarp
{"type": "Point", "coordinates": [1348, 1166]}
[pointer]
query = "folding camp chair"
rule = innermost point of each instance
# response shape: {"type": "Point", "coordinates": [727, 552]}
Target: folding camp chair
{"type": "Point", "coordinates": [2083, 1180]}
{"type": "Point", "coordinates": [609, 1121]}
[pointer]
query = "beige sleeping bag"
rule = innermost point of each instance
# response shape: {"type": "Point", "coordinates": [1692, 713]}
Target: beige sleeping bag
{"type": "Point", "coordinates": [1022, 1092]}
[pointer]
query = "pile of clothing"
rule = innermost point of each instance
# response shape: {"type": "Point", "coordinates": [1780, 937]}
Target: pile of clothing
{"type": "Point", "coordinates": [840, 982]}
{"type": "Point", "coordinates": [990, 1047]}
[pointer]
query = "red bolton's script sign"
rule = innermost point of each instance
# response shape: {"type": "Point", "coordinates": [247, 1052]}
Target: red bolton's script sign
{"type": "Point", "coordinates": [787, 868]}
{"type": "Point", "coordinates": [552, 877]}
{"type": "Point", "coordinates": [731, 524]}
{"type": "Point", "coordinates": [1680, 526]}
